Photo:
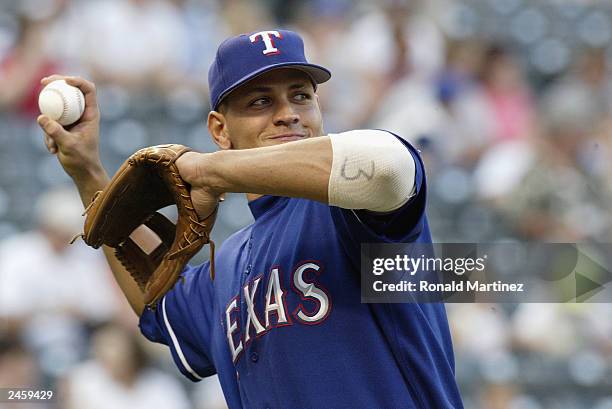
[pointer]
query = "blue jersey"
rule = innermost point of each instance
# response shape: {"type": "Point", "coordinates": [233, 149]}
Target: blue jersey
{"type": "Point", "coordinates": [283, 326]}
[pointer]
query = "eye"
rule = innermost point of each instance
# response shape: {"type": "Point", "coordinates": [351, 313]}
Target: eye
{"type": "Point", "coordinates": [302, 96]}
{"type": "Point", "coordinates": [259, 102]}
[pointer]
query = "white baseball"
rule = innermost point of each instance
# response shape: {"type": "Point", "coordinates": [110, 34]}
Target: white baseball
{"type": "Point", "coordinates": [62, 102]}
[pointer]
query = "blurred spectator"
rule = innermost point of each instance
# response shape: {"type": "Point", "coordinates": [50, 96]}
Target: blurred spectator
{"type": "Point", "coordinates": [135, 44]}
{"type": "Point", "coordinates": [508, 95]}
{"type": "Point", "coordinates": [480, 329]}
{"type": "Point", "coordinates": [23, 67]}
{"type": "Point", "coordinates": [544, 329]}
{"type": "Point", "coordinates": [19, 369]}
{"type": "Point", "coordinates": [203, 30]}
{"type": "Point", "coordinates": [550, 195]}
{"type": "Point", "coordinates": [464, 59]}
{"type": "Point", "coordinates": [119, 376]}
{"type": "Point", "coordinates": [208, 394]}
{"type": "Point", "coordinates": [41, 273]}
{"type": "Point", "coordinates": [597, 327]}
{"type": "Point", "coordinates": [387, 43]}
{"type": "Point", "coordinates": [243, 16]}
{"type": "Point", "coordinates": [469, 127]}
{"type": "Point", "coordinates": [502, 167]}
{"type": "Point", "coordinates": [51, 291]}
{"type": "Point", "coordinates": [588, 81]}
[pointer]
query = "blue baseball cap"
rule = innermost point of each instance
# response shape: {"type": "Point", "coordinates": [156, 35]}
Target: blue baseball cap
{"type": "Point", "coordinates": [242, 58]}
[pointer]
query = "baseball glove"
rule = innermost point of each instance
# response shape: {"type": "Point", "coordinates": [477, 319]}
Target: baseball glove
{"type": "Point", "coordinates": [148, 181]}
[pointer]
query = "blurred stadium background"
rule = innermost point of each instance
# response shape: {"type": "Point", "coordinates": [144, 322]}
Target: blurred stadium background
{"type": "Point", "coordinates": [510, 102]}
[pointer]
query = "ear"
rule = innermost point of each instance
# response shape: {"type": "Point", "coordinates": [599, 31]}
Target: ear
{"type": "Point", "coordinates": [217, 127]}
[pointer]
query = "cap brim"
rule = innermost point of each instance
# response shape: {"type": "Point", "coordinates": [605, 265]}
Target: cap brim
{"type": "Point", "coordinates": [317, 73]}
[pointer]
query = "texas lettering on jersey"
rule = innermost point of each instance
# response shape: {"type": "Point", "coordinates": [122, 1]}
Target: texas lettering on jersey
{"type": "Point", "coordinates": [275, 312]}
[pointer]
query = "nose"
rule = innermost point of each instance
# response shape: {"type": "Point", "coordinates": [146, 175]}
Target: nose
{"type": "Point", "coordinates": [286, 115]}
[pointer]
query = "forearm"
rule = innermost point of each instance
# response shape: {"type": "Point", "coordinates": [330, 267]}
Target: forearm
{"type": "Point", "coordinates": [89, 182]}
{"type": "Point", "coordinates": [362, 169]}
{"type": "Point", "coordinates": [126, 283]}
{"type": "Point", "coordinates": [296, 169]}
{"type": "Point", "coordinates": [87, 186]}
{"type": "Point", "coordinates": [77, 150]}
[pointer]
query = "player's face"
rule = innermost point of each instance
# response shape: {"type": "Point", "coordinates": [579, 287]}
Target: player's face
{"type": "Point", "coordinates": [277, 107]}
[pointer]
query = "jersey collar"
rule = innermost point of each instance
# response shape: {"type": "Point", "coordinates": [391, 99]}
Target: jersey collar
{"type": "Point", "coordinates": [262, 205]}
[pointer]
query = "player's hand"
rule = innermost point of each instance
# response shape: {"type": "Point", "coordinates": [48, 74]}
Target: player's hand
{"type": "Point", "coordinates": [76, 145]}
{"type": "Point", "coordinates": [204, 198]}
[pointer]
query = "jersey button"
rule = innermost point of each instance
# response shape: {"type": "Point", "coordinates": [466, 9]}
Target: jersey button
{"type": "Point", "coordinates": [254, 357]}
{"type": "Point", "coordinates": [248, 270]}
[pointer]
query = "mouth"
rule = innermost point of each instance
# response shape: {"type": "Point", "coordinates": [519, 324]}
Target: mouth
{"type": "Point", "coordinates": [287, 137]}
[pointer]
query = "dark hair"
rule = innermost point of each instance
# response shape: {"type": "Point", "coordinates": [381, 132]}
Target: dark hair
{"type": "Point", "coordinates": [222, 107]}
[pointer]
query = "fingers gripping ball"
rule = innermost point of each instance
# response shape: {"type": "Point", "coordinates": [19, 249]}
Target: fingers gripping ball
{"type": "Point", "coordinates": [62, 102]}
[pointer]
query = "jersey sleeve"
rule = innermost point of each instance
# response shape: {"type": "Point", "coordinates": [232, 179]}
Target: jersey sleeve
{"type": "Point", "coordinates": [181, 320]}
{"type": "Point", "coordinates": [402, 225]}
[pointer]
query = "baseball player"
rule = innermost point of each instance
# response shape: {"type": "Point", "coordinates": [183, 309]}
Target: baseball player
{"type": "Point", "coordinates": [282, 323]}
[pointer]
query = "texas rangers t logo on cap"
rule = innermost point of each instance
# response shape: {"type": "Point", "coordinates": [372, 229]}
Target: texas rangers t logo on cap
{"type": "Point", "coordinates": [268, 41]}
{"type": "Point", "coordinates": [243, 57]}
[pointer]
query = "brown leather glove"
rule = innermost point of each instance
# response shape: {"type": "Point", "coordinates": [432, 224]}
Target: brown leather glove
{"type": "Point", "coordinates": [148, 181]}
